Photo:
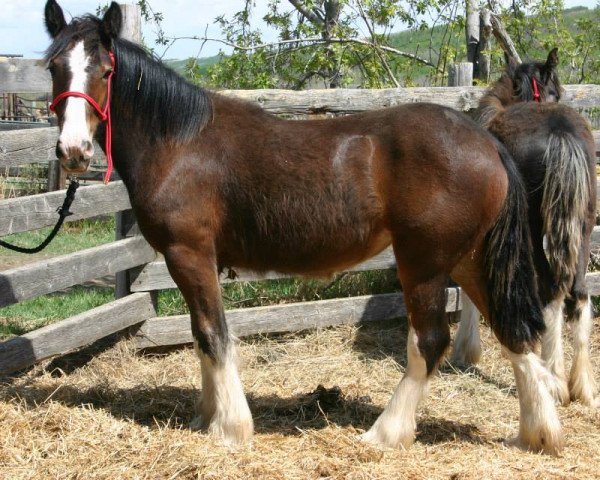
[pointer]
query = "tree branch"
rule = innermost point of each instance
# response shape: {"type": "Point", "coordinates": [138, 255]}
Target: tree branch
{"type": "Point", "coordinates": [311, 15]}
{"type": "Point", "coordinates": [311, 40]}
{"type": "Point", "coordinates": [504, 38]}
{"type": "Point", "coordinates": [377, 51]}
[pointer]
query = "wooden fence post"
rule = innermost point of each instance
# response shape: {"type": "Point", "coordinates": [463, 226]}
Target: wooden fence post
{"type": "Point", "coordinates": [460, 75]}
{"type": "Point", "coordinates": [126, 225]}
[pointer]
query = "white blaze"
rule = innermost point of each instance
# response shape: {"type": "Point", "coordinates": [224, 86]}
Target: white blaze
{"type": "Point", "coordinates": [75, 129]}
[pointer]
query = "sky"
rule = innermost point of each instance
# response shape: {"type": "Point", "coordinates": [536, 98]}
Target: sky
{"type": "Point", "coordinates": [22, 28]}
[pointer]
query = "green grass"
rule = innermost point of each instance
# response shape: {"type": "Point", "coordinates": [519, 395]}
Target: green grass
{"type": "Point", "coordinates": [38, 312]}
{"type": "Point", "coordinates": [72, 237]}
{"type": "Point", "coordinates": [35, 313]}
{"type": "Point", "coordinates": [273, 292]}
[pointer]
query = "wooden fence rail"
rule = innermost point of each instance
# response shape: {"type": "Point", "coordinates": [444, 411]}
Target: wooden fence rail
{"type": "Point", "coordinates": [149, 274]}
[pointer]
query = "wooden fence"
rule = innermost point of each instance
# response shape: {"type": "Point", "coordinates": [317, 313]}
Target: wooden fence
{"type": "Point", "coordinates": [145, 273]}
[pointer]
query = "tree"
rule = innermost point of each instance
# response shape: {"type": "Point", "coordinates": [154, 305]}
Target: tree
{"type": "Point", "coordinates": [335, 43]}
{"type": "Point", "coordinates": [330, 43]}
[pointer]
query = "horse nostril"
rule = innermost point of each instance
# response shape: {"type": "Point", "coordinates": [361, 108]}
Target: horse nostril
{"type": "Point", "coordinates": [60, 152]}
{"type": "Point", "coordinates": [87, 149]}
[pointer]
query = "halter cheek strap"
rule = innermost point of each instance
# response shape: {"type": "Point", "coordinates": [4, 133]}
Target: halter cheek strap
{"type": "Point", "coordinates": [103, 113]}
{"type": "Point", "coordinates": [536, 90]}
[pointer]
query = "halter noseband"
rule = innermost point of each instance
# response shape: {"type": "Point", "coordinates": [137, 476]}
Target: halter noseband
{"type": "Point", "coordinates": [103, 113]}
{"type": "Point", "coordinates": [536, 90]}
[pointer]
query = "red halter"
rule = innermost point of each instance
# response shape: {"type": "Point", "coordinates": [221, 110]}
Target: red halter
{"type": "Point", "coordinates": [103, 113]}
{"type": "Point", "coordinates": [536, 90]}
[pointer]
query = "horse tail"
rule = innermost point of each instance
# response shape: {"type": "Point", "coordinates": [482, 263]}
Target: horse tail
{"type": "Point", "coordinates": [515, 308]}
{"type": "Point", "coordinates": [566, 195]}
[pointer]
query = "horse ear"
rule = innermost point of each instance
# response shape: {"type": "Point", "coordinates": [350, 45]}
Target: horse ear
{"type": "Point", "coordinates": [112, 22]}
{"type": "Point", "coordinates": [552, 61]}
{"type": "Point", "coordinates": [54, 18]}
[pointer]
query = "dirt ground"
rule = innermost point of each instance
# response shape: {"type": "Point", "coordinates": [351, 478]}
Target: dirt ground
{"type": "Point", "coordinates": [119, 414]}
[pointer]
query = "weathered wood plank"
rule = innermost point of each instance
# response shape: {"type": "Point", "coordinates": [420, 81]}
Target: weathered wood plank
{"type": "Point", "coordinates": [72, 333]}
{"type": "Point", "coordinates": [175, 330]}
{"type": "Point", "coordinates": [65, 271]}
{"type": "Point", "coordinates": [24, 76]}
{"type": "Point", "coordinates": [155, 276]}
{"type": "Point", "coordinates": [354, 100]}
{"type": "Point", "coordinates": [287, 318]}
{"type": "Point", "coordinates": [20, 147]}
{"type": "Point", "coordinates": [36, 211]}
{"type": "Point", "coordinates": [18, 75]}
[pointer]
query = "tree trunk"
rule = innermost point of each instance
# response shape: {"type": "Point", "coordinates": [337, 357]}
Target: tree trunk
{"type": "Point", "coordinates": [485, 45]}
{"type": "Point", "coordinates": [472, 34]}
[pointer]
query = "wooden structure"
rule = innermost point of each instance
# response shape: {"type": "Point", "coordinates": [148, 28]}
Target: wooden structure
{"type": "Point", "coordinates": [140, 273]}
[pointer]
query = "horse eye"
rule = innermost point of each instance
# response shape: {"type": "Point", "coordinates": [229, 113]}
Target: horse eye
{"type": "Point", "coordinates": [106, 74]}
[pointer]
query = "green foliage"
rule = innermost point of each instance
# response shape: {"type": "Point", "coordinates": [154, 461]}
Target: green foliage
{"type": "Point", "coordinates": [309, 53]}
{"type": "Point", "coordinates": [322, 43]}
{"type": "Point", "coordinates": [538, 26]}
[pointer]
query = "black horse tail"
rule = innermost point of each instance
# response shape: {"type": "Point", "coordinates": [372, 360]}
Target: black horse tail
{"type": "Point", "coordinates": [515, 308]}
{"type": "Point", "coordinates": [565, 203]}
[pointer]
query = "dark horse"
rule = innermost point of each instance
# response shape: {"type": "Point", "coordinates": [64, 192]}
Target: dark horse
{"type": "Point", "coordinates": [555, 152]}
{"type": "Point", "coordinates": [215, 182]}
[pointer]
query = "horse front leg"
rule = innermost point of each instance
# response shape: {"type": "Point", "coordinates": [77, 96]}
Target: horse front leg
{"type": "Point", "coordinates": [222, 409]}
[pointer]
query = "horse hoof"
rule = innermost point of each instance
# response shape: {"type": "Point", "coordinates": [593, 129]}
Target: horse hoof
{"type": "Point", "coordinates": [384, 438]}
{"type": "Point", "coordinates": [547, 440]}
{"type": "Point", "coordinates": [232, 432]}
{"type": "Point", "coordinates": [582, 387]}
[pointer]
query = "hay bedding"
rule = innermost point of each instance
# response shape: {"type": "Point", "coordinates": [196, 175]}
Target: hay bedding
{"type": "Point", "coordinates": [123, 415]}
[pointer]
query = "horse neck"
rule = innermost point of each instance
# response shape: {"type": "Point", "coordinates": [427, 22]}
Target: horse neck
{"type": "Point", "coordinates": [495, 100]}
{"type": "Point", "coordinates": [152, 109]}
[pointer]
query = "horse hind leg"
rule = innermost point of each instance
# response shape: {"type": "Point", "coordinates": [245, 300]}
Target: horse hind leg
{"type": "Point", "coordinates": [582, 385]}
{"type": "Point", "coordinates": [539, 426]}
{"type": "Point", "coordinates": [466, 349]}
{"type": "Point", "coordinates": [428, 338]}
{"type": "Point", "coordinates": [552, 298]}
{"type": "Point", "coordinates": [552, 349]}
{"type": "Point", "coordinates": [221, 409]}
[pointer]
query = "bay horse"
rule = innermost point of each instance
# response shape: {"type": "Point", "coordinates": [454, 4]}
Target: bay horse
{"type": "Point", "coordinates": [555, 152]}
{"type": "Point", "coordinates": [216, 182]}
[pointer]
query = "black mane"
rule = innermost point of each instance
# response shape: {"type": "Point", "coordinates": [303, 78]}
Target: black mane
{"type": "Point", "coordinates": [144, 90]}
{"type": "Point", "coordinates": [171, 107]}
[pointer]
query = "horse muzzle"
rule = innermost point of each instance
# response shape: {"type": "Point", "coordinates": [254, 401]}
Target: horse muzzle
{"type": "Point", "coordinates": [75, 159]}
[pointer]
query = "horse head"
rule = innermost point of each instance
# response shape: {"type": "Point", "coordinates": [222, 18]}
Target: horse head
{"type": "Point", "coordinates": [535, 81]}
{"type": "Point", "coordinates": [81, 64]}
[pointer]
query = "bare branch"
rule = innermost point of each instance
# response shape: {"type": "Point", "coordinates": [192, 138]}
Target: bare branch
{"type": "Point", "coordinates": [377, 51]}
{"type": "Point", "coordinates": [313, 41]}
